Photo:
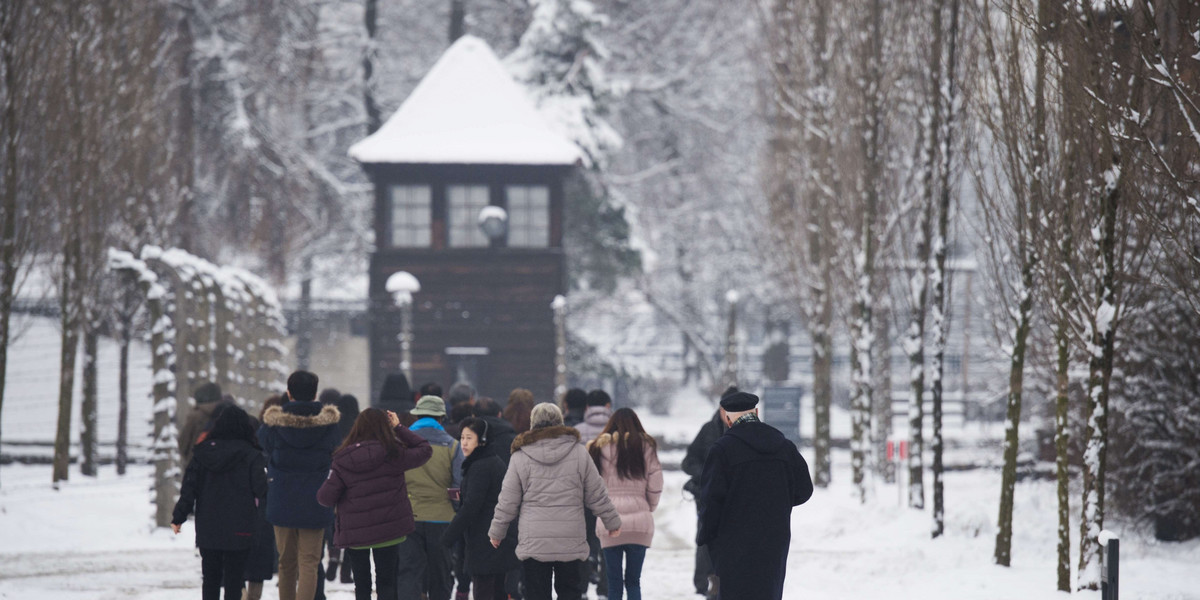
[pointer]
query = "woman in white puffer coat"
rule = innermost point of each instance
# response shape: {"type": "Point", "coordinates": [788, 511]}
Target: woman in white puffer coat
{"type": "Point", "coordinates": [627, 458]}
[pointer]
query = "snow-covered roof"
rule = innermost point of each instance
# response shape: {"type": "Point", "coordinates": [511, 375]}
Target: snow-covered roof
{"type": "Point", "coordinates": [467, 110]}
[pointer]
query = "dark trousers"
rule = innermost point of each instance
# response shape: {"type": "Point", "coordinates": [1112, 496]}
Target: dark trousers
{"type": "Point", "coordinates": [514, 582]}
{"type": "Point", "coordinates": [222, 569]}
{"type": "Point", "coordinates": [425, 564]}
{"type": "Point", "coordinates": [387, 560]}
{"type": "Point", "coordinates": [633, 555]}
{"type": "Point", "coordinates": [704, 568]}
{"type": "Point", "coordinates": [594, 570]}
{"type": "Point", "coordinates": [489, 587]}
{"type": "Point", "coordinates": [458, 560]}
{"type": "Point", "coordinates": [568, 579]}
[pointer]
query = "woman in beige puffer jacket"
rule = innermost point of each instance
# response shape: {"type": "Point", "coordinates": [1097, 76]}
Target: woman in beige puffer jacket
{"type": "Point", "coordinates": [550, 479]}
{"type": "Point", "coordinates": [627, 458]}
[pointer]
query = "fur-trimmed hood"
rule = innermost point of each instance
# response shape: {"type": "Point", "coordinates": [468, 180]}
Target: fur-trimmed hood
{"type": "Point", "coordinates": [276, 416]}
{"type": "Point", "coordinates": [547, 444]}
{"type": "Point", "coordinates": [605, 439]}
{"type": "Point", "coordinates": [302, 424]}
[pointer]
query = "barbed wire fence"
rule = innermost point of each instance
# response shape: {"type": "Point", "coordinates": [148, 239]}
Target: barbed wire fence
{"type": "Point", "coordinates": [207, 323]}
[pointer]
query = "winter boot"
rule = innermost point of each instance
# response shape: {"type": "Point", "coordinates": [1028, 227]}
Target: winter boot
{"type": "Point", "coordinates": [331, 570]}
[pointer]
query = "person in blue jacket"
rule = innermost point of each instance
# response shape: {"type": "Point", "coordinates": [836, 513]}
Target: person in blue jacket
{"type": "Point", "coordinates": [299, 438]}
{"type": "Point", "coordinates": [752, 478]}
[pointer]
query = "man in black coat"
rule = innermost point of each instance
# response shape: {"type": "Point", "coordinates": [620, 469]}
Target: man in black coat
{"type": "Point", "coordinates": [693, 464]}
{"type": "Point", "coordinates": [752, 478]}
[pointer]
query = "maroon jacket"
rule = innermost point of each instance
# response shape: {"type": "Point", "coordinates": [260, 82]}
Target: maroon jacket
{"type": "Point", "coordinates": [367, 488]}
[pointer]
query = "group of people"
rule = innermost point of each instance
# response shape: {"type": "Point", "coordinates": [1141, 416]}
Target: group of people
{"type": "Point", "coordinates": [515, 502]}
{"type": "Point", "coordinates": [522, 501]}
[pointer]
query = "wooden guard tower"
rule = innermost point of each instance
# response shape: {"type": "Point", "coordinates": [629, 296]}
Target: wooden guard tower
{"type": "Point", "coordinates": [468, 199]}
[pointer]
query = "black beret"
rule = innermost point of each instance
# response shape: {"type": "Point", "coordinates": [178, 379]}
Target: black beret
{"type": "Point", "coordinates": [739, 402]}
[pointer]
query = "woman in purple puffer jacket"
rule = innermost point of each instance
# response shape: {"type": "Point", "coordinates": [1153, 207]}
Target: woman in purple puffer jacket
{"type": "Point", "coordinates": [366, 486]}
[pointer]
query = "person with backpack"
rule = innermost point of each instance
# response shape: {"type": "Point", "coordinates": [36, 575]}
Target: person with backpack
{"type": "Point", "coordinates": [627, 459]}
{"type": "Point", "coordinates": [222, 486]}
{"type": "Point", "coordinates": [206, 399]}
{"type": "Point", "coordinates": [424, 562]}
{"type": "Point", "coordinates": [367, 486]}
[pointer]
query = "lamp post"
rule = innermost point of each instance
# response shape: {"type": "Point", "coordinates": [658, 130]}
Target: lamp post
{"type": "Point", "coordinates": [402, 285]}
{"type": "Point", "coordinates": [559, 306]}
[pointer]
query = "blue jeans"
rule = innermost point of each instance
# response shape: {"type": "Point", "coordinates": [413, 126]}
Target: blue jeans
{"type": "Point", "coordinates": [634, 556]}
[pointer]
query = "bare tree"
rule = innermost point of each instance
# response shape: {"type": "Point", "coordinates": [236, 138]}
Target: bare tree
{"type": "Point", "coordinates": [947, 94]}
{"type": "Point", "coordinates": [1012, 108]}
{"type": "Point", "coordinates": [803, 186]}
{"type": "Point", "coordinates": [19, 216]}
{"type": "Point", "coordinates": [870, 130]}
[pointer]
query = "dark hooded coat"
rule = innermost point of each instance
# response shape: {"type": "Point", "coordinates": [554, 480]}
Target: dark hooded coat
{"type": "Point", "coordinates": [368, 489]}
{"type": "Point", "coordinates": [752, 478]}
{"type": "Point", "coordinates": [223, 484]}
{"type": "Point", "coordinates": [483, 476]}
{"type": "Point", "coordinates": [501, 436]}
{"type": "Point", "coordinates": [299, 439]}
{"type": "Point", "coordinates": [697, 451]}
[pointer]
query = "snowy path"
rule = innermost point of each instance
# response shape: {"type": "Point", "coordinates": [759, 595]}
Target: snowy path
{"type": "Point", "coordinates": [92, 541]}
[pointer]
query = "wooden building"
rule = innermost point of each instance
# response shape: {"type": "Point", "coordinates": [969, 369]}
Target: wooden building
{"type": "Point", "coordinates": [465, 144]}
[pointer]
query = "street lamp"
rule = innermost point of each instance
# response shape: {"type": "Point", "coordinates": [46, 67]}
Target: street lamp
{"type": "Point", "coordinates": [493, 220]}
{"type": "Point", "coordinates": [402, 285]}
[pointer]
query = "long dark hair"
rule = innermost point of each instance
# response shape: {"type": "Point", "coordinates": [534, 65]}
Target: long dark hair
{"type": "Point", "coordinates": [372, 425]}
{"type": "Point", "coordinates": [232, 423]}
{"type": "Point", "coordinates": [347, 405]}
{"type": "Point", "coordinates": [630, 440]}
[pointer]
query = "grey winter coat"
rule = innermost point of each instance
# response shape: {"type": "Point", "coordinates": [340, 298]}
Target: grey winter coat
{"type": "Point", "coordinates": [550, 480]}
{"type": "Point", "coordinates": [594, 421]}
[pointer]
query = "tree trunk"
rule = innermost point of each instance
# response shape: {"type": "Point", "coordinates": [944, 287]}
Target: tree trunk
{"type": "Point", "coordinates": [1100, 365]}
{"type": "Point", "coordinates": [187, 222]}
{"type": "Point", "coordinates": [374, 117]}
{"type": "Point", "coordinates": [822, 394]}
{"type": "Point", "coordinates": [69, 322]}
{"type": "Point", "coordinates": [881, 409]}
{"type": "Point", "coordinates": [919, 284]}
{"type": "Point", "coordinates": [8, 204]}
{"type": "Point", "coordinates": [1008, 476]}
{"type": "Point", "coordinates": [458, 17]}
{"type": "Point", "coordinates": [304, 320]}
{"type": "Point", "coordinates": [1062, 433]}
{"type": "Point", "coordinates": [123, 399]}
{"type": "Point", "coordinates": [820, 252]}
{"type": "Point", "coordinates": [940, 301]}
{"type": "Point", "coordinates": [88, 409]}
{"type": "Point", "coordinates": [864, 262]}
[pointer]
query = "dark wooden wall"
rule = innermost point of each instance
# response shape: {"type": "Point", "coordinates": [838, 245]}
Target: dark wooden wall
{"type": "Point", "coordinates": [496, 298]}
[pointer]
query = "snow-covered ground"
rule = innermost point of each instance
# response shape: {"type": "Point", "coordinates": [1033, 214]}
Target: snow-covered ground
{"type": "Point", "coordinates": [92, 539]}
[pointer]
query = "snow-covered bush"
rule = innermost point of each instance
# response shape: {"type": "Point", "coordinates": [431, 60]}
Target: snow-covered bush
{"type": "Point", "coordinates": [1155, 455]}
